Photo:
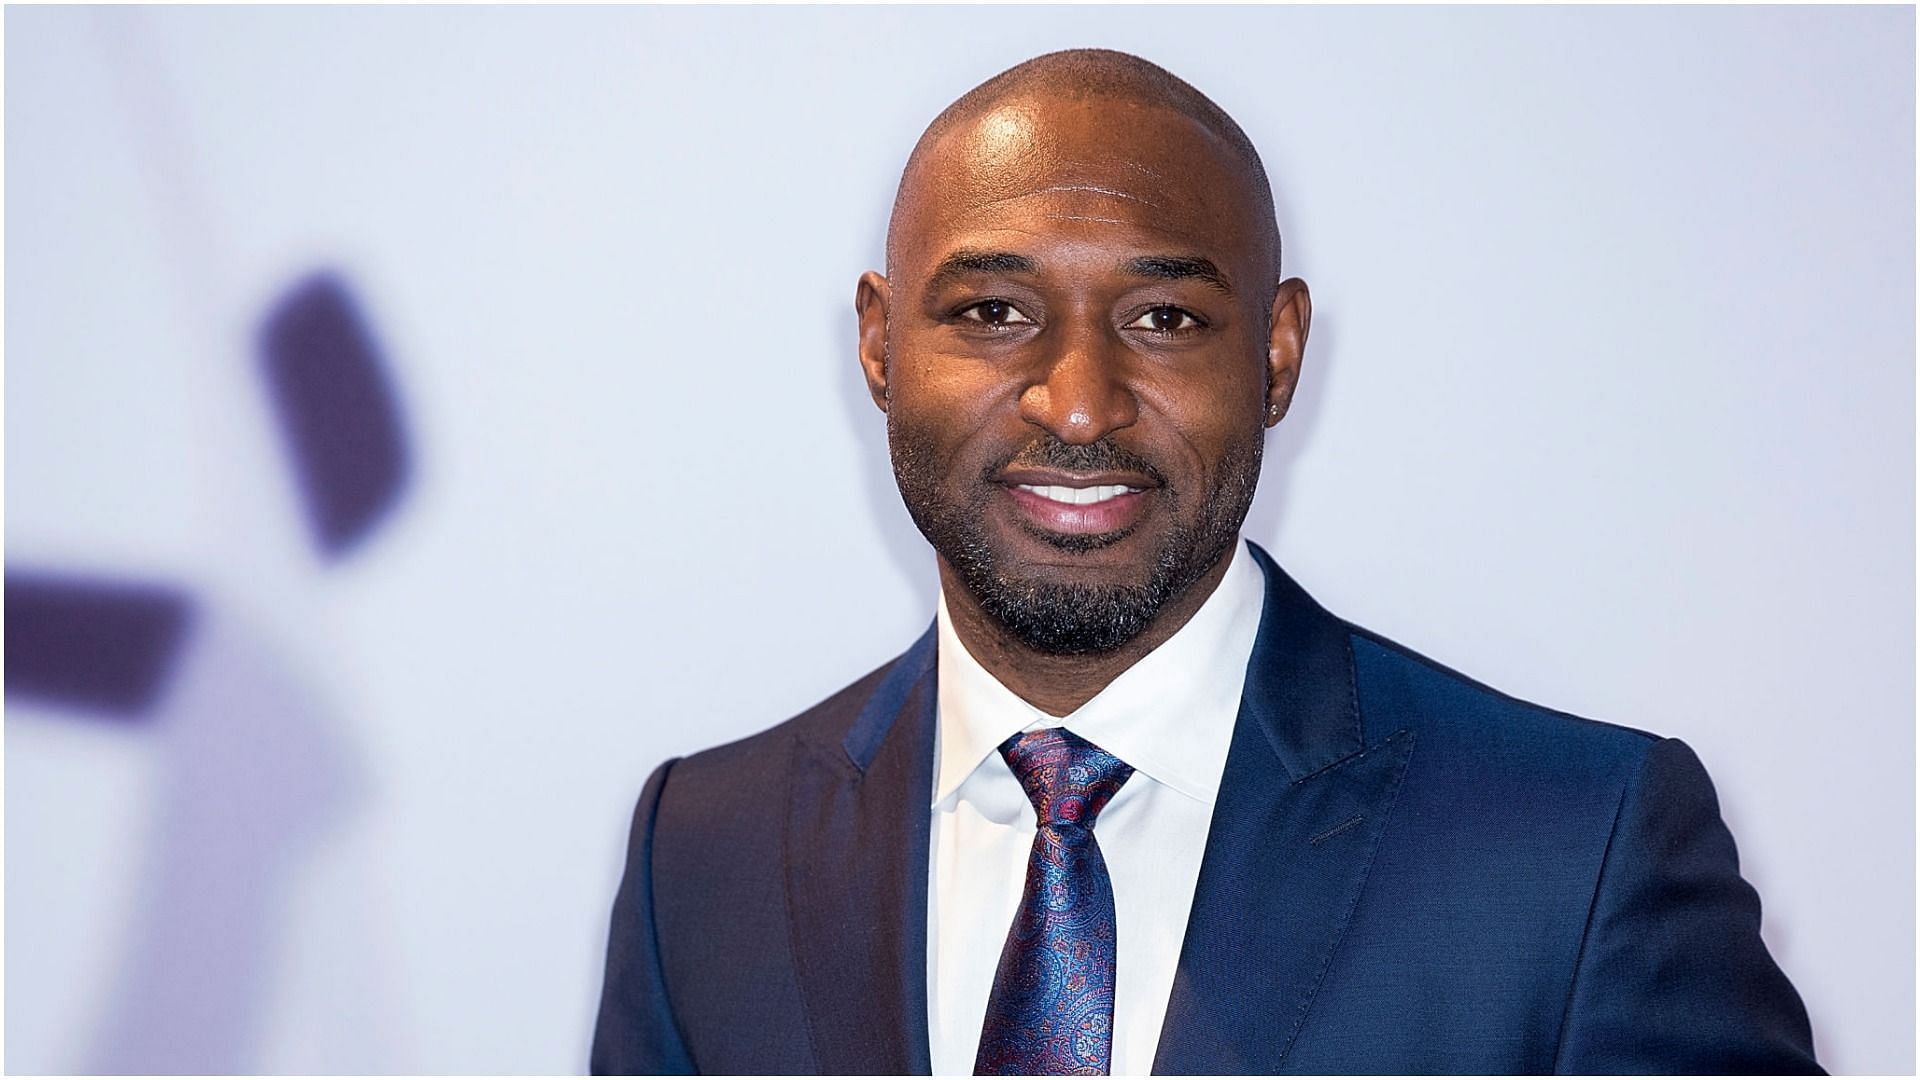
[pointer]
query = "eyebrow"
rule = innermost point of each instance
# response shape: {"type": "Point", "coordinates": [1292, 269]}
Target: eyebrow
{"type": "Point", "coordinates": [962, 263]}
{"type": "Point", "coordinates": [1178, 267]}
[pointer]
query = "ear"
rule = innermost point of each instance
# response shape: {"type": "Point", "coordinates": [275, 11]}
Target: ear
{"type": "Point", "coordinates": [870, 300]}
{"type": "Point", "coordinates": [1286, 344]}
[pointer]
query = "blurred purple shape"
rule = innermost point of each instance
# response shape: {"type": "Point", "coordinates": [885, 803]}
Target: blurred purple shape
{"type": "Point", "coordinates": [92, 644]}
{"type": "Point", "coordinates": [254, 772]}
{"type": "Point", "coordinates": [337, 409]}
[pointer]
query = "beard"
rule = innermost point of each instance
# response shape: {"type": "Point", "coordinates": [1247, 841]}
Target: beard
{"type": "Point", "coordinates": [1073, 619]}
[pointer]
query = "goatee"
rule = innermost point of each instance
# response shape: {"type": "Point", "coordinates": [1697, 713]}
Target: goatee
{"type": "Point", "coordinates": [1072, 619]}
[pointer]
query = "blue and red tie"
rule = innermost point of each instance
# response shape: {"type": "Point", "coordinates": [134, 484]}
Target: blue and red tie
{"type": "Point", "coordinates": [1051, 1011]}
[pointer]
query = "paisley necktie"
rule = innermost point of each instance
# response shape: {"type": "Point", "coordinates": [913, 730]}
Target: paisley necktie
{"type": "Point", "coordinates": [1051, 1010]}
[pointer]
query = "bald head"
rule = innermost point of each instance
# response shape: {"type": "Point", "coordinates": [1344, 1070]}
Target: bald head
{"type": "Point", "coordinates": [1083, 80]}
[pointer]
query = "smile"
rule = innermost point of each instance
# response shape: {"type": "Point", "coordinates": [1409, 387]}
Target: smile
{"type": "Point", "coordinates": [1093, 510]}
{"type": "Point", "coordinates": [1081, 496]}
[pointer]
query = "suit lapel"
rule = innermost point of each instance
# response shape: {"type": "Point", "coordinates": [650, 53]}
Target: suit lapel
{"type": "Point", "coordinates": [856, 853]}
{"type": "Point", "coordinates": [1303, 802]}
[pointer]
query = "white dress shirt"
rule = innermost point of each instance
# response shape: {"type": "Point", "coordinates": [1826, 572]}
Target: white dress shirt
{"type": "Point", "coordinates": [1171, 717]}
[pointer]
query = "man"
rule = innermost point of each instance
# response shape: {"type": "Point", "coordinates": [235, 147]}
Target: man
{"type": "Point", "coordinates": [1135, 802]}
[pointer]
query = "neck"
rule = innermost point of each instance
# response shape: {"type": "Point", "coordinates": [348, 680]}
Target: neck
{"type": "Point", "coordinates": [1057, 685]}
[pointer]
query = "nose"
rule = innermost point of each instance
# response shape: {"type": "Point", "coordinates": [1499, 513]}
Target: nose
{"type": "Point", "coordinates": [1081, 394]}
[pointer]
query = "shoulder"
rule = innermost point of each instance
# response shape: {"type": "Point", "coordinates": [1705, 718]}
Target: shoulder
{"type": "Point", "coordinates": [762, 758]}
{"type": "Point", "coordinates": [1529, 799]}
{"type": "Point", "coordinates": [717, 802]}
{"type": "Point", "coordinates": [830, 729]}
{"type": "Point", "coordinates": [1482, 732]}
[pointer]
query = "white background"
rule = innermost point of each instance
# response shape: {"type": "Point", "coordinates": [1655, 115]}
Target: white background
{"type": "Point", "coordinates": [1609, 403]}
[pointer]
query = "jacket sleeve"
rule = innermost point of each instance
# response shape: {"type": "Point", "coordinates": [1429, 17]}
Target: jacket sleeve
{"type": "Point", "coordinates": [1672, 975]}
{"type": "Point", "coordinates": [636, 1033]}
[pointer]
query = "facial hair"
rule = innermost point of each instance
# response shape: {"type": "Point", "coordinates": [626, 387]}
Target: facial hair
{"type": "Point", "coordinates": [1074, 619]}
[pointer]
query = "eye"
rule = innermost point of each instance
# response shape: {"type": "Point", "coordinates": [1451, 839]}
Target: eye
{"type": "Point", "coordinates": [994, 313]}
{"type": "Point", "coordinates": [1166, 319]}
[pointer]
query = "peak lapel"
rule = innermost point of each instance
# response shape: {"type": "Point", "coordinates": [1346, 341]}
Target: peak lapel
{"type": "Point", "coordinates": [1302, 805]}
{"type": "Point", "coordinates": [856, 855]}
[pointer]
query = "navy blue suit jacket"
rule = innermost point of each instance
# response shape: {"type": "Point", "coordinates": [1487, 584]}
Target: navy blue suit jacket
{"type": "Point", "coordinates": [1406, 872]}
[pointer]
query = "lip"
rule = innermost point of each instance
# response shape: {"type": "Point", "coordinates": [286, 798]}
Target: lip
{"type": "Point", "coordinates": [1052, 477]}
{"type": "Point", "coordinates": [1085, 519]}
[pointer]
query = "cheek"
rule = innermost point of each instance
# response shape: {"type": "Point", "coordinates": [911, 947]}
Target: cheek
{"type": "Point", "coordinates": [1203, 421]}
{"type": "Point", "coordinates": [951, 403]}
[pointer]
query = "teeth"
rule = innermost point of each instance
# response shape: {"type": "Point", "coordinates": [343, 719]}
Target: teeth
{"type": "Point", "coordinates": [1085, 496]}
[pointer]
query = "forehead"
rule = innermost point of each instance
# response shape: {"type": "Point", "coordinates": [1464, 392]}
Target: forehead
{"type": "Point", "coordinates": [1092, 170]}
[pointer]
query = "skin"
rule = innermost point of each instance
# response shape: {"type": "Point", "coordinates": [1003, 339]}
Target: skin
{"type": "Point", "coordinates": [980, 363]}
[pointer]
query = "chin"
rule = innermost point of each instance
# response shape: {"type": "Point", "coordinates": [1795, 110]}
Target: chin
{"type": "Point", "coordinates": [1060, 606]}
{"type": "Point", "coordinates": [1070, 619]}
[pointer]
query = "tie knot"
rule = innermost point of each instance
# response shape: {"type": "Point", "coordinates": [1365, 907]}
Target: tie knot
{"type": "Point", "coordinates": [1068, 778]}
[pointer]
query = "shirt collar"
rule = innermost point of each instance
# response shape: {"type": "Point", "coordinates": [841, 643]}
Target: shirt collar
{"type": "Point", "coordinates": [1170, 715]}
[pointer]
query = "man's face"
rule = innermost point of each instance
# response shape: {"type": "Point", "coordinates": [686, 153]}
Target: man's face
{"type": "Point", "coordinates": [1075, 353]}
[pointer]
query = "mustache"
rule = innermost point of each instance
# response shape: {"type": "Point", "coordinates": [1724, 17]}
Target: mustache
{"type": "Point", "coordinates": [1048, 452]}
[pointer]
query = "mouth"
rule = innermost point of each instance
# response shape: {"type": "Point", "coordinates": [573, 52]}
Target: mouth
{"type": "Point", "coordinates": [1078, 496]}
{"type": "Point", "coordinates": [1063, 503]}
